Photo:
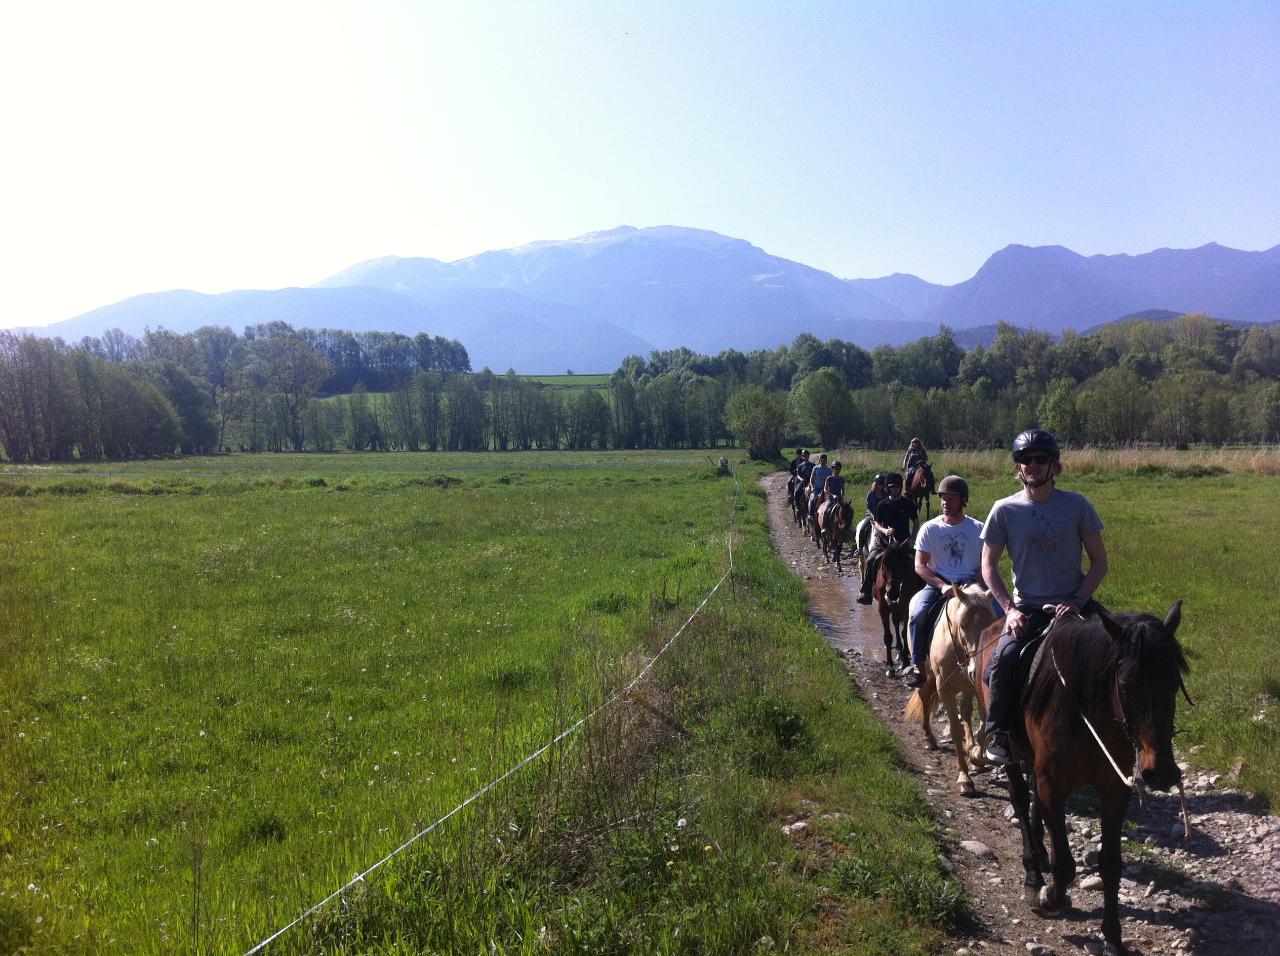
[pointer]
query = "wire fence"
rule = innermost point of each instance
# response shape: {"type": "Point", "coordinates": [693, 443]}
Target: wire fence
{"type": "Point", "coordinates": [569, 731]}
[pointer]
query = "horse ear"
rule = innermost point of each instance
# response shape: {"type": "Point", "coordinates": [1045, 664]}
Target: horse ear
{"type": "Point", "coordinates": [1174, 617]}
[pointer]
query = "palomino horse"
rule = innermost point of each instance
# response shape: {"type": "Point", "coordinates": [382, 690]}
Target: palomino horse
{"type": "Point", "coordinates": [921, 489]}
{"type": "Point", "coordinates": [833, 522]}
{"type": "Point", "coordinates": [955, 639]}
{"type": "Point", "coordinates": [896, 582]}
{"type": "Point", "coordinates": [1105, 687]}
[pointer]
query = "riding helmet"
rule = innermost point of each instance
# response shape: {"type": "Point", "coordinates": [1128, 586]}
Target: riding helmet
{"type": "Point", "coordinates": [878, 480]}
{"type": "Point", "coordinates": [953, 485]}
{"type": "Point", "coordinates": [1033, 440]}
{"type": "Point", "coordinates": [891, 479]}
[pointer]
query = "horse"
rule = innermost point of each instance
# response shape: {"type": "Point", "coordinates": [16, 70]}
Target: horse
{"type": "Point", "coordinates": [833, 522]}
{"type": "Point", "coordinates": [956, 633]}
{"type": "Point", "coordinates": [922, 488]}
{"type": "Point", "coordinates": [862, 544]}
{"type": "Point", "coordinates": [800, 503]}
{"type": "Point", "coordinates": [896, 582]}
{"type": "Point", "coordinates": [1105, 689]}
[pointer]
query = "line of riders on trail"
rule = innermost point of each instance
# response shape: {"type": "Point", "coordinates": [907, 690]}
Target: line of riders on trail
{"type": "Point", "coordinates": [1052, 660]}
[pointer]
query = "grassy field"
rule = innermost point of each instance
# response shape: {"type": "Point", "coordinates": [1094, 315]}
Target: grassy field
{"type": "Point", "coordinates": [233, 683]}
{"type": "Point", "coordinates": [1197, 526]}
{"type": "Point", "coordinates": [571, 381]}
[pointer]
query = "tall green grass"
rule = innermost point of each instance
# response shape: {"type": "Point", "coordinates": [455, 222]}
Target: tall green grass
{"type": "Point", "coordinates": [233, 683]}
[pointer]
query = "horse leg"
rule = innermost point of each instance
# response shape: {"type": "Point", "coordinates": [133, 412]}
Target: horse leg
{"type": "Point", "coordinates": [1020, 798]}
{"type": "Point", "coordinates": [1037, 824]}
{"type": "Point", "coordinates": [977, 756]}
{"type": "Point", "coordinates": [888, 636]}
{"type": "Point", "coordinates": [1053, 898]}
{"type": "Point", "coordinates": [928, 692]}
{"type": "Point", "coordinates": [959, 738]}
{"type": "Point", "coordinates": [1115, 801]}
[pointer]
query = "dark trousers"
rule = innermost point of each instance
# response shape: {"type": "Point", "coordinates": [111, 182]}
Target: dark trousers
{"type": "Point", "coordinates": [1001, 673]}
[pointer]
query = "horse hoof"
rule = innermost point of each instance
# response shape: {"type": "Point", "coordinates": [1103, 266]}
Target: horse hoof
{"type": "Point", "coordinates": [1031, 896]}
{"type": "Point", "coordinates": [1047, 907]}
{"type": "Point", "coordinates": [967, 789]}
{"type": "Point", "coordinates": [929, 744]}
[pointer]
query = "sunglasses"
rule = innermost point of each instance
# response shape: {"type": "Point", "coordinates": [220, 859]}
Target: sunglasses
{"type": "Point", "coordinates": [1035, 459]}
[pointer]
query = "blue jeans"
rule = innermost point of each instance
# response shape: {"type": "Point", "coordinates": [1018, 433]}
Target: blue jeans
{"type": "Point", "coordinates": [930, 596]}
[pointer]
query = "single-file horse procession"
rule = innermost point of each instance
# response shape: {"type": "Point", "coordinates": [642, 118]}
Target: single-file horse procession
{"type": "Point", "coordinates": [1049, 701]}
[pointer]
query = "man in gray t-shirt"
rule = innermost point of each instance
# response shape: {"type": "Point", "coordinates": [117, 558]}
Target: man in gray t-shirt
{"type": "Point", "coordinates": [1046, 532]}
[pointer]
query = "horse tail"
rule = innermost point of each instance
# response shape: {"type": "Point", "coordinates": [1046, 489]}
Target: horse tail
{"type": "Point", "coordinates": [915, 707]}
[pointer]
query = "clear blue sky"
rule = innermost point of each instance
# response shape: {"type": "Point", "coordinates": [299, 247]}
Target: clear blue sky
{"type": "Point", "coordinates": [215, 146]}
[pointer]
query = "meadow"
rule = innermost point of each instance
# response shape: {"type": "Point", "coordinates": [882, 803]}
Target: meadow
{"type": "Point", "coordinates": [232, 683]}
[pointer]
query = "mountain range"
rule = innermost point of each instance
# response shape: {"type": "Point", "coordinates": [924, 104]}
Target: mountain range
{"type": "Point", "coordinates": [588, 302]}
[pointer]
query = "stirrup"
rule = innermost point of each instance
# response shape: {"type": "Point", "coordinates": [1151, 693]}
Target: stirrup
{"type": "Point", "coordinates": [912, 677]}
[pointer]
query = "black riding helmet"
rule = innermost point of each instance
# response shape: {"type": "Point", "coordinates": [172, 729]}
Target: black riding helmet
{"type": "Point", "coordinates": [891, 479]}
{"type": "Point", "coordinates": [878, 480]}
{"type": "Point", "coordinates": [1036, 440]}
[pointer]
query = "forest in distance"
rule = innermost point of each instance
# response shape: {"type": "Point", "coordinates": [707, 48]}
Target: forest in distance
{"type": "Point", "coordinates": [275, 388]}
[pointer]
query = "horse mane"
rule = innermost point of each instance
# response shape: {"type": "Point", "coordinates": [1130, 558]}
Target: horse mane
{"type": "Point", "coordinates": [1089, 659]}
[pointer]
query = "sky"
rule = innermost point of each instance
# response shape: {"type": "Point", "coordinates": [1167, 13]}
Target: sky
{"type": "Point", "coordinates": [229, 145]}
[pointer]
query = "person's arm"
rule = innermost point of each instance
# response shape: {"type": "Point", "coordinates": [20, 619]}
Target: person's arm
{"type": "Point", "coordinates": [927, 575]}
{"type": "Point", "coordinates": [1097, 552]}
{"type": "Point", "coordinates": [1015, 620]}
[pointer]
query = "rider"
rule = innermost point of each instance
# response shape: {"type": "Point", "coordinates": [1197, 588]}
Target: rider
{"type": "Point", "coordinates": [895, 517]}
{"type": "Point", "coordinates": [948, 555]}
{"type": "Point", "coordinates": [795, 462]}
{"type": "Point", "coordinates": [877, 494]}
{"type": "Point", "coordinates": [817, 478]}
{"type": "Point", "coordinates": [913, 459]}
{"type": "Point", "coordinates": [833, 490]}
{"type": "Point", "coordinates": [1045, 530]}
{"type": "Point", "coordinates": [804, 468]}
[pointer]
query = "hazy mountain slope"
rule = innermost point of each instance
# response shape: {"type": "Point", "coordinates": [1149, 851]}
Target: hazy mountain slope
{"type": "Point", "coordinates": [910, 295]}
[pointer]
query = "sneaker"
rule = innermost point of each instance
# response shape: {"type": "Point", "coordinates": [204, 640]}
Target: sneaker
{"type": "Point", "coordinates": [864, 598]}
{"type": "Point", "coordinates": [912, 677]}
{"type": "Point", "coordinates": [997, 752]}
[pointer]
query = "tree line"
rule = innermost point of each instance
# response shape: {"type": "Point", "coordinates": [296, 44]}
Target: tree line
{"type": "Point", "coordinates": [1191, 380]}
{"type": "Point", "coordinates": [201, 392]}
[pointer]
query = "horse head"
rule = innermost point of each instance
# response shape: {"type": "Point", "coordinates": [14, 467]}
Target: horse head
{"type": "Point", "coordinates": [899, 564]}
{"type": "Point", "coordinates": [1149, 675]}
{"type": "Point", "coordinates": [970, 613]}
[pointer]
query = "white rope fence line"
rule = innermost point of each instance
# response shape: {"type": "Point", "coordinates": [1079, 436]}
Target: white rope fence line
{"type": "Point", "coordinates": [568, 731]}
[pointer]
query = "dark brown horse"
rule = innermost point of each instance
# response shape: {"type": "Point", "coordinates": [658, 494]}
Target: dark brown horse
{"type": "Point", "coordinates": [1100, 712]}
{"type": "Point", "coordinates": [922, 488]}
{"type": "Point", "coordinates": [800, 503]}
{"type": "Point", "coordinates": [833, 522]}
{"type": "Point", "coordinates": [895, 584]}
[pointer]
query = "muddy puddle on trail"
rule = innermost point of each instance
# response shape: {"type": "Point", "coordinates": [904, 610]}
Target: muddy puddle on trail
{"type": "Point", "coordinates": [848, 627]}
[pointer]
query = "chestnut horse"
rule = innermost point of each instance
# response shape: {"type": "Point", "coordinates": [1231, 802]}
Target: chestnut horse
{"type": "Point", "coordinates": [1105, 689]}
{"type": "Point", "coordinates": [833, 520]}
{"type": "Point", "coordinates": [896, 582]}
{"type": "Point", "coordinates": [922, 487]}
{"type": "Point", "coordinates": [955, 639]}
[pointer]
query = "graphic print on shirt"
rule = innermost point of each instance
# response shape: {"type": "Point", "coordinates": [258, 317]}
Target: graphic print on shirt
{"type": "Point", "coordinates": [1044, 538]}
{"type": "Point", "coordinates": [953, 544]}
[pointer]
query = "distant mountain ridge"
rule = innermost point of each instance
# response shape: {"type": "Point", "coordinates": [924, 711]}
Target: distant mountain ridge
{"type": "Point", "coordinates": [588, 302]}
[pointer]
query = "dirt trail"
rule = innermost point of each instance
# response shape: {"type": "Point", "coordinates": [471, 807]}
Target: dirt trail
{"type": "Point", "coordinates": [1218, 893]}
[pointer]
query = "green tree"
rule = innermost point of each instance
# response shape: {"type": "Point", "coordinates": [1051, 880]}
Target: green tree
{"type": "Point", "coordinates": [755, 415]}
{"type": "Point", "coordinates": [823, 406]}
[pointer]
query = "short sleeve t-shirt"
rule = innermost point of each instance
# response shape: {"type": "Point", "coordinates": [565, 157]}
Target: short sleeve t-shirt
{"type": "Point", "coordinates": [1045, 542]}
{"type": "Point", "coordinates": [835, 485]}
{"type": "Point", "coordinates": [818, 476]}
{"type": "Point", "coordinates": [898, 515]}
{"type": "Point", "coordinates": [955, 550]}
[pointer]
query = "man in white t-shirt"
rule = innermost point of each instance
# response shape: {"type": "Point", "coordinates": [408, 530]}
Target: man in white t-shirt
{"type": "Point", "coordinates": [948, 553]}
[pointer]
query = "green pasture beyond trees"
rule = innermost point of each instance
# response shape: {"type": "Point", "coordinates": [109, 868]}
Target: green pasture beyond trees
{"type": "Point", "coordinates": [232, 683]}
